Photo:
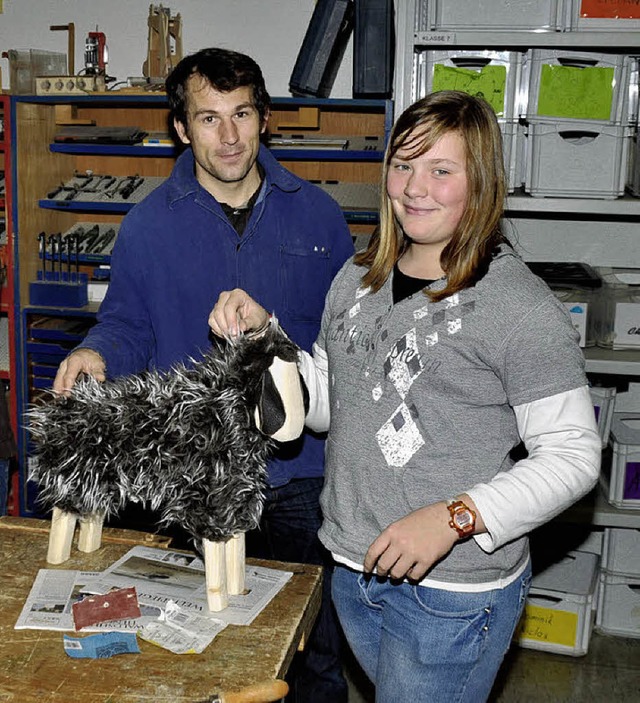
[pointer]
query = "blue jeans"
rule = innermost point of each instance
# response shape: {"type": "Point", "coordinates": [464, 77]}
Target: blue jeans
{"type": "Point", "coordinates": [289, 532]}
{"type": "Point", "coordinates": [426, 645]}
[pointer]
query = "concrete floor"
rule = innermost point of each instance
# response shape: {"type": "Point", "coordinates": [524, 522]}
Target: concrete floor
{"type": "Point", "coordinates": [610, 671]}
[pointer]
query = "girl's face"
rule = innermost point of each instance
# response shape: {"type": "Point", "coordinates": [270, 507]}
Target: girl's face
{"type": "Point", "coordinates": [428, 193]}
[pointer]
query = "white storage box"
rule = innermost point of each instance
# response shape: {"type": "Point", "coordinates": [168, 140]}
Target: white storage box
{"type": "Point", "coordinates": [603, 403]}
{"type": "Point", "coordinates": [558, 615]}
{"type": "Point", "coordinates": [513, 151]}
{"type": "Point", "coordinates": [621, 480]}
{"type": "Point", "coordinates": [579, 305]}
{"type": "Point", "coordinates": [493, 75]}
{"type": "Point", "coordinates": [575, 85]}
{"type": "Point", "coordinates": [496, 15]}
{"type": "Point", "coordinates": [621, 551]}
{"type": "Point", "coordinates": [581, 160]}
{"type": "Point", "coordinates": [633, 177]}
{"type": "Point", "coordinates": [599, 16]}
{"type": "Point", "coordinates": [617, 311]}
{"type": "Point", "coordinates": [618, 610]}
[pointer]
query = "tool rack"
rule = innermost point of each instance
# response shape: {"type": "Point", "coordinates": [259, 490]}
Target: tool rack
{"type": "Point", "coordinates": [82, 191]}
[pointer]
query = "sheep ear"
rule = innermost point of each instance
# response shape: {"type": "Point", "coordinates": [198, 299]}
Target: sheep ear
{"type": "Point", "coordinates": [281, 410]}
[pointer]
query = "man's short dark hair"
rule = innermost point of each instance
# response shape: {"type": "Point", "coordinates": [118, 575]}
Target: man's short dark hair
{"type": "Point", "coordinates": [225, 70]}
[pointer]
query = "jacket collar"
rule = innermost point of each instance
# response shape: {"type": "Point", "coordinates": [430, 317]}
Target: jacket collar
{"type": "Point", "coordinates": [183, 183]}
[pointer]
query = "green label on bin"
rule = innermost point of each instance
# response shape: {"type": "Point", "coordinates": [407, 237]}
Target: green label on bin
{"type": "Point", "coordinates": [579, 93]}
{"type": "Point", "coordinates": [488, 83]}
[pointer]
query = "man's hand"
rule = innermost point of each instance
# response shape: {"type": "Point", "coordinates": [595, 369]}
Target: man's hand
{"type": "Point", "coordinates": [78, 362]}
{"type": "Point", "coordinates": [409, 547]}
{"type": "Point", "coordinates": [237, 312]}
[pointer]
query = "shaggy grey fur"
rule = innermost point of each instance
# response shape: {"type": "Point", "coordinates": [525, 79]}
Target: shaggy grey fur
{"type": "Point", "coordinates": [182, 442]}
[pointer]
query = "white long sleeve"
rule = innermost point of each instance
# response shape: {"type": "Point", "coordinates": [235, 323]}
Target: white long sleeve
{"type": "Point", "coordinates": [563, 463]}
{"type": "Point", "coordinates": [315, 372]}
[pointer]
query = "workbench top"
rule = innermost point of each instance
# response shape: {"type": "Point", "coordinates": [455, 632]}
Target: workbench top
{"type": "Point", "coordinates": [34, 666]}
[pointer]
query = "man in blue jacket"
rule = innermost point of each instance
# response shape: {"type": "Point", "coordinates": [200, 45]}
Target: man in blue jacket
{"type": "Point", "coordinates": [229, 216]}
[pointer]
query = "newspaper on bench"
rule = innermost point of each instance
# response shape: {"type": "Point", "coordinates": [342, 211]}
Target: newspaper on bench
{"type": "Point", "coordinates": [159, 576]}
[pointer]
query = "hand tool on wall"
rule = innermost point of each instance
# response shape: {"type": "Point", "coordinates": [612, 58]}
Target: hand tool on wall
{"type": "Point", "coordinates": [42, 250]}
{"type": "Point", "coordinates": [51, 242]}
{"type": "Point", "coordinates": [60, 249]}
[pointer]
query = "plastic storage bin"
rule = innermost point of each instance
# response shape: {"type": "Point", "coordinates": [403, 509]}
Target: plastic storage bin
{"type": "Point", "coordinates": [579, 305]}
{"type": "Point", "coordinates": [493, 75]}
{"type": "Point", "coordinates": [560, 160]}
{"type": "Point", "coordinates": [574, 85]}
{"type": "Point", "coordinates": [525, 15]}
{"type": "Point", "coordinates": [633, 177]}
{"type": "Point", "coordinates": [618, 309]}
{"type": "Point", "coordinates": [618, 610]}
{"type": "Point", "coordinates": [558, 614]}
{"type": "Point", "coordinates": [621, 551]}
{"type": "Point", "coordinates": [513, 151]}
{"type": "Point", "coordinates": [575, 285]}
{"type": "Point", "coordinates": [586, 15]}
{"type": "Point", "coordinates": [603, 403]}
{"type": "Point", "coordinates": [621, 480]}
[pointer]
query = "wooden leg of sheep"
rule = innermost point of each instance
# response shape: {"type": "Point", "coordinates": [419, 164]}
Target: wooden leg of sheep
{"type": "Point", "coordinates": [90, 537]}
{"type": "Point", "coordinates": [224, 564]}
{"type": "Point", "coordinates": [63, 526]}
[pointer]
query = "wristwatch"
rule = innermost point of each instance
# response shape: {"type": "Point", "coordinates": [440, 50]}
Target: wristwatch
{"type": "Point", "coordinates": [463, 519]}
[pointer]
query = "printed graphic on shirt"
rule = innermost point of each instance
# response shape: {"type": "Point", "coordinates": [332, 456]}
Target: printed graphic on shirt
{"type": "Point", "coordinates": [399, 438]}
{"type": "Point", "coordinates": [408, 357]}
{"type": "Point", "coordinates": [403, 363]}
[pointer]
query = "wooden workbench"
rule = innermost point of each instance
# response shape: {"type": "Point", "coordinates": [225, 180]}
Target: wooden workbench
{"type": "Point", "coordinates": [34, 666]}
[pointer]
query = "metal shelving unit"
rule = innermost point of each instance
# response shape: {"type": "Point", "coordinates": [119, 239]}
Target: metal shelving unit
{"type": "Point", "coordinates": [599, 232]}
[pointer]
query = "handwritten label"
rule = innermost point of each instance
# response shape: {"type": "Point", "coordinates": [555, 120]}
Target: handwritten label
{"type": "Point", "coordinates": [488, 82]}
{"type": "Point", "coordinates": [546, 625]}
{"type": "Point", "coordinates": [578, 93]}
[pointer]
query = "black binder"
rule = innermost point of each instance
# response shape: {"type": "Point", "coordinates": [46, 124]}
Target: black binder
{"type": "Point", "coordinates": [322, 48]}
{"type": "Point", "coordinates": [373, 49]}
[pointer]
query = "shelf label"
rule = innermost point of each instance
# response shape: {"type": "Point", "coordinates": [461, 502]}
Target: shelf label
{"type": "Point", "coordinates": [435, 37]}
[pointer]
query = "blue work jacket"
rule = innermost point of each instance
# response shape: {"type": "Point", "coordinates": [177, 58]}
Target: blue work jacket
{"type": "Point", "coordinates": [176, 251]}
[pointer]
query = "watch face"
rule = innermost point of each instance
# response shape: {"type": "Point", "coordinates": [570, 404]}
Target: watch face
{"type": "Point", "coordinates": [463, 519]}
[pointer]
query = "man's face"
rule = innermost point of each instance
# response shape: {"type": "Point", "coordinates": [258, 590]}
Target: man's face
{"type": "Point", "coordinates": [224, 131]}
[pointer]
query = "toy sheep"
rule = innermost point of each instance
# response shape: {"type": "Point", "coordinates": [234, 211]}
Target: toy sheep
{"type": "Point", "coordinates": [186, 442]}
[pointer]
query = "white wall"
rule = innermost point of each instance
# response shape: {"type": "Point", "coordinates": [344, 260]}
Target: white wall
{"type": "Point", "coordinates": [270, 31]}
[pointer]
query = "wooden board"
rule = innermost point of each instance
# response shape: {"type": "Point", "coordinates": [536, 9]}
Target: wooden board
{"type": "Point", "coordinates": [34, 667]}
